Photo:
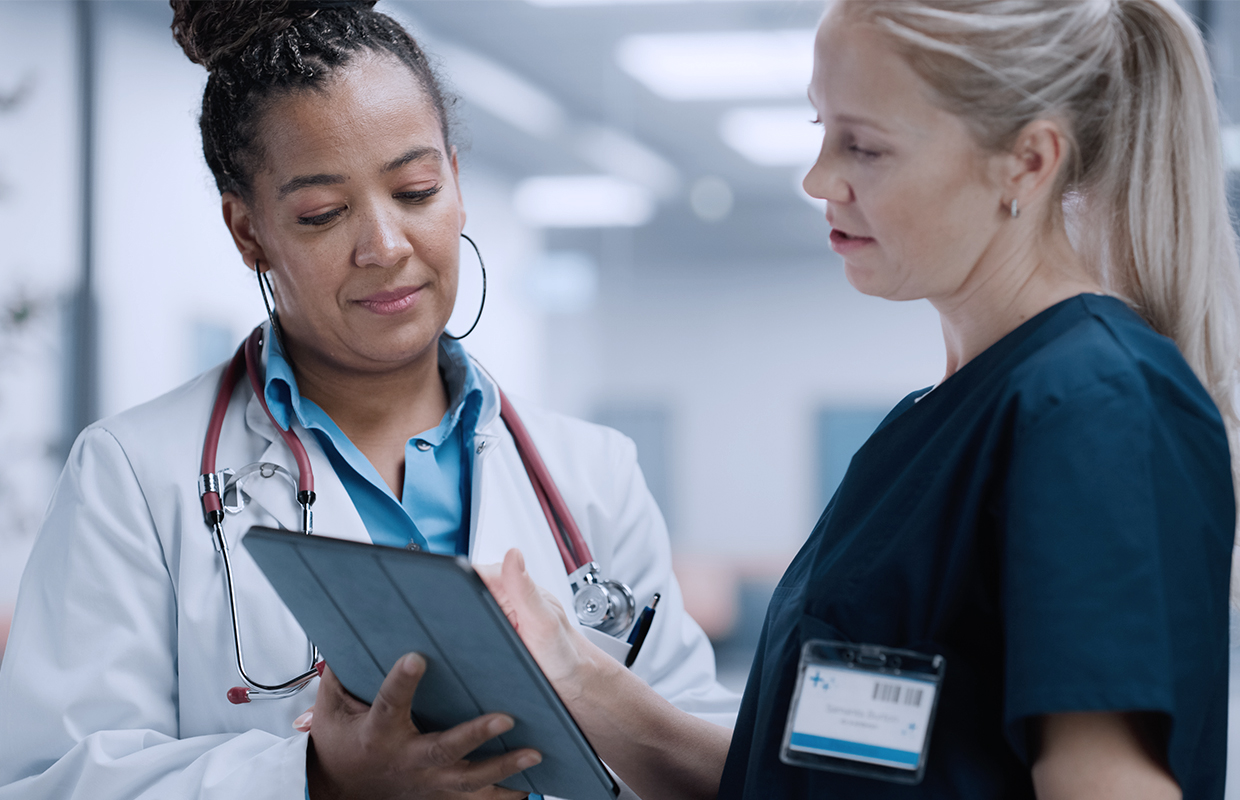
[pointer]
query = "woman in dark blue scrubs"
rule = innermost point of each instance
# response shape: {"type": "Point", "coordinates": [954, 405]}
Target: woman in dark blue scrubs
{"type": "Point", "coordinates": [1055, 519]}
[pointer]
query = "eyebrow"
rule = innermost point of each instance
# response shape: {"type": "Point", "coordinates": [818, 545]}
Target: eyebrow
{"type": "Point", "coordinates": [848, 119]}
{"type": "Point", "coordinates": [869, 123]}
{"type": "Point", "coordinates": [416, 154]}
{"type": "Point", "coordinates": [305, 181]}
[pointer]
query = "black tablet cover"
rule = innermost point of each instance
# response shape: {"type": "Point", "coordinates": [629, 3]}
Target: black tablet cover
{"type": "Point", "coordinates": [366, 605]}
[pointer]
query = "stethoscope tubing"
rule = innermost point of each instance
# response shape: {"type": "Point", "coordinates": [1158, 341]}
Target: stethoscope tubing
{"type": "Point", "coordinates": [208, 483]}
{"type": "Point", "coordinates": [245, 359]}
{"type": "Point", "coordinates": [572, 545]}
{"type": "Point", "coordinates": [305, 473]}
{"type": "Point", "coordinates": [573, 548]}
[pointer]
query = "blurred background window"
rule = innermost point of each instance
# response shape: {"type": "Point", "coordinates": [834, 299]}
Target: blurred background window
{"type": "Point", "coordinates": [650, 427]}
{"type": "Point", "coordinates": [841, 432]}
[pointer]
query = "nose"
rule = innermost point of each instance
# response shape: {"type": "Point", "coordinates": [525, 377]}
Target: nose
{"type": "Point", "coordinates": [381, 240]}
{"type": "Point", "coordinates": [825, 180]}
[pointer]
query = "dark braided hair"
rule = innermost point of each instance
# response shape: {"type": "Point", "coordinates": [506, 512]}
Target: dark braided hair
{"type": "Point", "coordinates": [257, 50]}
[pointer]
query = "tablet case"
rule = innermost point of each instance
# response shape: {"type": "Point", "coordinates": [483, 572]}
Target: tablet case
{"type": "Point", "coordinates": [366, 605]}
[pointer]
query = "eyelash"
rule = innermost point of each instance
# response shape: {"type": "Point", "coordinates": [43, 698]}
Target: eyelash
{"type": "Point", "coordinates": [868, 155]}
{"type": "Point", "coordinates": [411, 197]}
{"type": "Point", "coordinates": [860, 152]}
{"type": "Point", "coordinates": [319, 219]}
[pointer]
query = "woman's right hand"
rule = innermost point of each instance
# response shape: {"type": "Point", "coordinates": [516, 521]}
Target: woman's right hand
{"type": "Point", "coordinates": [375, 751]}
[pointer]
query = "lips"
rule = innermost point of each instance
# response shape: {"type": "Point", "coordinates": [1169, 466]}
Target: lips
{"type": "Point", "coordinates": [391, 302]}
{"type": "Point", "coordinates": [842, 242]}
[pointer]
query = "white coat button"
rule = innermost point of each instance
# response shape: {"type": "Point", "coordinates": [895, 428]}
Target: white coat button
{"type": "Point", "coordinates": [424, 445]}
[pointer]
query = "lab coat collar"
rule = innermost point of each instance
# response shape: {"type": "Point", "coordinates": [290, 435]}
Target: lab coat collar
{"type": "Point", "coordinates": [334, 512]}
{"type": "Point", "coordinates": [497, 469]}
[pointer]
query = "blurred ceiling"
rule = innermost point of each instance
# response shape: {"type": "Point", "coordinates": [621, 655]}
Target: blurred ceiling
{"type": "Point", "coordinates": [575, 111]}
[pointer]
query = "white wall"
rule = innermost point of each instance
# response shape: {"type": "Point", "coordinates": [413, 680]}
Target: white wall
{"type": "Point", "coordinates": [509, 338]}
{"type": "Point", "coordinates": [744, 356]}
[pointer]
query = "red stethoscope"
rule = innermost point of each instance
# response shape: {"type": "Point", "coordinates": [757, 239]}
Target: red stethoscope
{"type": "Point", "coordinates": [605, 605]}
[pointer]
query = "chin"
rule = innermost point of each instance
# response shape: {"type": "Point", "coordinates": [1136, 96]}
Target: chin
{"type": "Point", "coordinates": [863, 280]}
{"type": "Point", "coordinates": [876, 283]}
{"type": "Point", "coordinates": [394, 346]}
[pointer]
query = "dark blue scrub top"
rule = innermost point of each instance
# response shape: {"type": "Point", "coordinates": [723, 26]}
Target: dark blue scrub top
{"type": "Point", "coordinates": [1056, 520]}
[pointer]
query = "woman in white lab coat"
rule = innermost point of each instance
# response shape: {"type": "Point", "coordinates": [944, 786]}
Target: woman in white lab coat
{"type": "Point", "coordinates": [328, 137]}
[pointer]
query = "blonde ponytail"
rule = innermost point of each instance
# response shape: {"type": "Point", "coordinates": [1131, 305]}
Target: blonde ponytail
{"type": "Point", "coordinates": [1144, 181]}
{"type": "Point", "coordinates": [1161, 196]}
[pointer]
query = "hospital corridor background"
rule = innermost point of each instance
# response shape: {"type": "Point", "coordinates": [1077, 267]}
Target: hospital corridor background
{"type": "Point", "coordinates": [632, 172]}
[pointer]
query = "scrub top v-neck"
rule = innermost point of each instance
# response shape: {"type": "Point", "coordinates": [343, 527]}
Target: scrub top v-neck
{"type": "Point", "coordinates": [1056, 520]}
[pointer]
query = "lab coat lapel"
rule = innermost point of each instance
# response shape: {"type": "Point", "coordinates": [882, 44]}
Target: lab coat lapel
{"type": "Point", "coordinates": [334, 512]}
{"type": "Point", "coordinates": [507, 513]}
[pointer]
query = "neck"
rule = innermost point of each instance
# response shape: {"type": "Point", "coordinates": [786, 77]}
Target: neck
{"type": "Point", "coordinates": [1017, 278]}
{"type": "Point", "coordinates": [378, 411]}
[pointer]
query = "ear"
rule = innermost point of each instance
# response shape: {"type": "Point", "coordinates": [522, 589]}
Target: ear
{"type": "Point", "coordinates": [1033, 164]}
{"type": "Point", "coordinates": [240, 221]}
{"type": "Point", "coordinates": [456, 178]}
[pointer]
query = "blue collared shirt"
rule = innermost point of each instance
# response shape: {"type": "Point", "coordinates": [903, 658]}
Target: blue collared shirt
{"type": "Point", "coordinates": [433, 510]}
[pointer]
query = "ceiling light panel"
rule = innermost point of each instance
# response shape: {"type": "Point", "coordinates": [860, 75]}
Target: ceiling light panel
{"type": "Point", "coordinates": [775, 136]}
{"type": "Point", "coordinates": [502, 92]}
{"type": "Point", "coordinates": [583, 201]}
{"type": "Point", "coordinates": [615, 152]}
{"type": "Point", "coordinates": [720, 66]}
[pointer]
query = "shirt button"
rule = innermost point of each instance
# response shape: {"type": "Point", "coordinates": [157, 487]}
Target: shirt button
{"type": "Point", "coordinates": [424, 445]}
{"type": "Point", "coordinates": [414, 546]}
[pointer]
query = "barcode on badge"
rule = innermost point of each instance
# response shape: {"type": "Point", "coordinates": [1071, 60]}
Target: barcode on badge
{"type": "Point", "coordinates": [894, 693]}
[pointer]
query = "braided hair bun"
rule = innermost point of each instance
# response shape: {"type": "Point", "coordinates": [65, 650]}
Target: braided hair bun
{"type": "Point", "coordinates": [213, 31]}
{"type": "Point", "coordinates": [256, 49]}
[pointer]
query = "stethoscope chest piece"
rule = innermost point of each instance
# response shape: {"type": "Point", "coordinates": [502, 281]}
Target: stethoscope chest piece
{"type": "Point", "coordinates": [605, 605]}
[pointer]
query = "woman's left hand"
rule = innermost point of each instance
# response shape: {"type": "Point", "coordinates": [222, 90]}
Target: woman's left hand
{"type": "Point", "coordinates": [661, 752]}
{"type": "Point", "coordinates": [566, 657]}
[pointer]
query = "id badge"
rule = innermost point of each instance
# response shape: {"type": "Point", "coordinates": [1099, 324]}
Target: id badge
{"type": "Point", "coordinates": [863, 709]}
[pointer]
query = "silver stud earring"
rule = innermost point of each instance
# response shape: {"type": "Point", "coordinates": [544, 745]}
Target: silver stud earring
{"type": "Point", "coordinates": [1015, 209]}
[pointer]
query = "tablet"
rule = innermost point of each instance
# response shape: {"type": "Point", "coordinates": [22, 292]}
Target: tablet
{"type": "Point", "coordinates": [366, 605]}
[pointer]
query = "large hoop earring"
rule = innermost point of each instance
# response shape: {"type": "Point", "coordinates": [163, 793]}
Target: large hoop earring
{"type": "Point", "coordinates": [481, 305]}
{"type": "Point", "coordinates": [264, 287]}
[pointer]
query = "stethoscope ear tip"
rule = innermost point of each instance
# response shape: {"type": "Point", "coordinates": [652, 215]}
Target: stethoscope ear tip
{"type": "Point", "coordinates": [238, 695]}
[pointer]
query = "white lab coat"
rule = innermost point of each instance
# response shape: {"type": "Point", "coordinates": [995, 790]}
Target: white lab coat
{"type": "Point", "coordinates": [120, 654]}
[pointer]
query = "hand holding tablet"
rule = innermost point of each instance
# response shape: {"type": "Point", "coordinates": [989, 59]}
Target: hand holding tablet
{"type": "Point", "coordinates": [362, 749]}
{"type": "Point", "coordinates": [366, 607]}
